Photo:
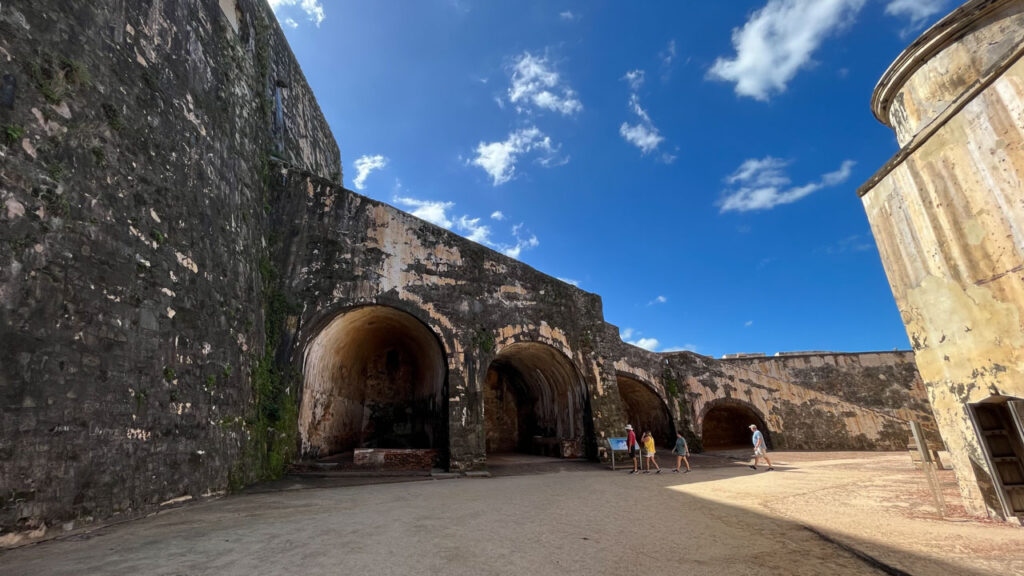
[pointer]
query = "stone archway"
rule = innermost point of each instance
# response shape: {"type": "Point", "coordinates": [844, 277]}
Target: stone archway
{"type": "Point", "coordinates": [374, 377]}
{"type": "Point", "coordinates": [535, 402]}
{"type": "Point", "coordinates": [645, 410]}
{"type": "Point", "coordinates": [726, 422]}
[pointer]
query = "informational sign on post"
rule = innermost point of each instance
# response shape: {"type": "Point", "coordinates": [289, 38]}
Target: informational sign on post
{"type": "Point", "coordinates": [617, 445]}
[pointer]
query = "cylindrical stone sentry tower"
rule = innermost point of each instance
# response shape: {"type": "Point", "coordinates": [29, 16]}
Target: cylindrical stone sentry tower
{"type": "Point", "coordinates": [947, 212]}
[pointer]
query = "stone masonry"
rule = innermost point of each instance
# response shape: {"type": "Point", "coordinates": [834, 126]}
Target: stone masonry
{"type": "Point", "coordinates": [190, 301]}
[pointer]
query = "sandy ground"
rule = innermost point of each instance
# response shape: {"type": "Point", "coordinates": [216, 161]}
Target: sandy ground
{"type": "Point", "coordinates": [818, 513]}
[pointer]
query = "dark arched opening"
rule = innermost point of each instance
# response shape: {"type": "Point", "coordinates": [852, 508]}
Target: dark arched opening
{"type": "Point", "coordinates": [535, 402]}
{"type": "Point", "coordinates": [726, 426]}
{"type": "Point", "coordinates": [374, 377]}
{"type": "Point", "coordinates": [646, 411]}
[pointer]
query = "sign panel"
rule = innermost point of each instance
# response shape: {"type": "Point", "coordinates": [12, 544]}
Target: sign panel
{"type": "Point", "coordinates": [618, 444]}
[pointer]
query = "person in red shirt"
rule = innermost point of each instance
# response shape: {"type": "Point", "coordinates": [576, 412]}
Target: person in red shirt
{"type": "Point", "coordinates": [631, 442]}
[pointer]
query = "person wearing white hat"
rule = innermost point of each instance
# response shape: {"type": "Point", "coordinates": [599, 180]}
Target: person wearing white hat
{"type": "Point", "coordinates": [760, 451]}
{"type": "Point", "coordinates": [631, 442]}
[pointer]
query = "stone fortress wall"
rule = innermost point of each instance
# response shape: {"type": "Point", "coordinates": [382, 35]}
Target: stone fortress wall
{"type": "Point", "coordinates": [947, 213]}
{"type": "Point", "coordinates": [191, 301]}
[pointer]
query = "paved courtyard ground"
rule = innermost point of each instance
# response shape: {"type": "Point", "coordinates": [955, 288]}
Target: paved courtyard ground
{"type": "Point", "coordinates": [818, 513]}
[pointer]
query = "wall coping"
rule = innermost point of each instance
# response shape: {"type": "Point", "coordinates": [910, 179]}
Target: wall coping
{"type": "Point", "coordinates": [928, 44]}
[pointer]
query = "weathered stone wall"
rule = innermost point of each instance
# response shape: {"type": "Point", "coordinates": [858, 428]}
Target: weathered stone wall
{"type": "Point", "coordinates": [132, 224]}
{"type": "Point", "coordinates": [184, 284]}
{"type": "Point", "coordinates": [345, 251]}
{"type": "Point", "coordinates": [947, 215]}
{"type": "Point", "coordinates": [885, 381]}
{"type": "Point", "coordinates": [797, 416]}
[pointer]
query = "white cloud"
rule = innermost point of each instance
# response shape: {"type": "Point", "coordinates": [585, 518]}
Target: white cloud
{"type": "Point", "coordinates": [854, 243]}
{"type": "Point", "coordinates": [432, 211]}
{"type": "Point", "coordinates": [658, 300]}
{"type": "Point", "coordinates": [438, 212]}
{"type": "Point", "coordinates": [635, 79]}
{"type": "Point", "coordinates": [646, 343]}
{"type": "Point", "coordinates": [668, 54]}
{"type": "Point", "coordinates": [683, 348]}
{"type": "Point", "coordinates": [575, 283]}
{"type": "Point", "coordinates": [499, 159]}
{"type": "Point", "coordinates": [313, 9]}
{"type": "Point", "coordinates": [627, 336]}
{"type": "Point", "coordinates": [778, 41]}
{"type": "Point", "coordinates": [522, 242]}
{"type": "Point", "coordinates": [535, 83]}
{"type": "Point", "coordinates": [366, 164]}
{"type": "Point", "coordinates": [748, 323]}
{"type": "Point", "coordinates": [763, 184]}
{"type": "Point", "coordinates": [644, 134]}
{"type": "Point", "coordinates": [497, 215]}
{"type": "Point", "coordinates": [290, 22]}
{"type": "Point", "coordinates": [473, 230]}
{"type": "Point", "coordinates": [917, 11]}
{"type": "Point", "coordinates": [569, 16]}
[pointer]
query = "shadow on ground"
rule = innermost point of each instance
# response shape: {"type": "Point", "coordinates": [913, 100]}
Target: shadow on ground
{"type": "Point", "coordinates": [538, 517]}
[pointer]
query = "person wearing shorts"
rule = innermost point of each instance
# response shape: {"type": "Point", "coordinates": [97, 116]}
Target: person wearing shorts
{"type": "Point", "coordinates": [631, 442]}
{"type": "Point", "coordinates": [760, 450]}
{"type": "Point", "coordinates": [682, 452]}
{"type": "Point", "coordinates": [648, 444]}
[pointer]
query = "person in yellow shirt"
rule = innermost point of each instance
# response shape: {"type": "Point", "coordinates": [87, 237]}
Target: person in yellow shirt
{"type": "Point", "coordinates": [648, 443]}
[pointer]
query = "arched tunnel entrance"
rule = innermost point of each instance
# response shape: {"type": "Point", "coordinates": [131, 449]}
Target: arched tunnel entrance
{"type": "Point", "coordinates": [374, 377]}
{"type": "Point", "coordinates": [726, 426]}
{"type": "Point", "coordinates": [535, 402]}
{"type": "Point", "coordinates": [646, 411]}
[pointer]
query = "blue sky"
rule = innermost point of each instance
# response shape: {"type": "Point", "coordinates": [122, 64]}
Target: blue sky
{"type": "Point", "coordinates": [694, 163]}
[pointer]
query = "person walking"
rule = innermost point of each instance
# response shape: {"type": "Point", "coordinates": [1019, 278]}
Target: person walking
{"type": "Point", "coordinates": [760, 450]}
{"type": "Point", "coordinates": [682, 452]}
{"type": "Point", "coordinates": [648, 443]}
{"type": "Point", "coordinates": [631, 442]}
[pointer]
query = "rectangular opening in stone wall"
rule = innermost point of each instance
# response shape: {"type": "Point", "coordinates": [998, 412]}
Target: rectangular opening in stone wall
{"type": "Point", "coordinates": [1002, 438]}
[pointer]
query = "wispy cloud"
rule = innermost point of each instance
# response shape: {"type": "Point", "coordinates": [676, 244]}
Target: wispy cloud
{"type": "Point", "coordinates": [852, 243]}
{"type": "Point", "coordinates": [290, 22]}
{"type": "Point", "coordinates": [313, 9]}
{"type": "Point", "coordinates": [536, 85]}
{"type": "Point", "coordinates": [668, 55]}
{"type": "Point", "coordinates": [748, 323]}
{"type": "Point", "coordinates": [763, 184]}
{"type": "Point", "coordinates": [524, 240]}
{"type": "Point", "coordinates": [644, 134]}
{"type": "Point", "coordinates": [364, 165]}
{"type": "Point", "coordinates": [499, 159]}
{"type": "Point", "coordinates": [919, 12]}
{"type": "Point", "coordinates": [658, 300]}
{"type": "Point", "coordinates": [683, 348]}
{"type": "Point", "coordinates": [438, 212]}
{"type": "Point", "coordinates": [634, 337]}
{"type": "Point", "coordinates": [472, 229]}
{"type": "Point", "coordinates": [778, 41]}
{"type": "Point", "coordinates": [569, 16]}
{"type": "Point", "coordinates": [497, 215]}
{"type": "Point", "coordinates": [575, 283]}
{"type": "Point", "coordinates": [433, 211]}
{"type": "Point", "coordinates": [635, 79]}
